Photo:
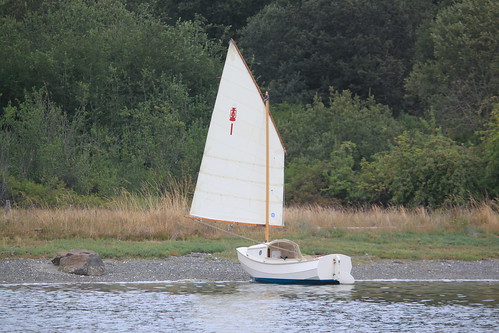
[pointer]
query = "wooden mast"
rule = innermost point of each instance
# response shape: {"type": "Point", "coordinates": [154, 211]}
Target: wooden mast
{"type": "Point", "coordinates": [267, 167]}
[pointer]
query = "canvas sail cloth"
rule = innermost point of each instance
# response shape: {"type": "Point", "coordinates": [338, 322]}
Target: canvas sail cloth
{"type": "Point", "coordinates": [231, 185]}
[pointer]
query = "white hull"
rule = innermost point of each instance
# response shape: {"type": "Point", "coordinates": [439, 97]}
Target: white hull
{"type": "Point", "coordinates": [332, 268]}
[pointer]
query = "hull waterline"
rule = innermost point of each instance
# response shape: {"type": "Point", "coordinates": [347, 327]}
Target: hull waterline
{"type": "Point", "coordinates": [330, 269]}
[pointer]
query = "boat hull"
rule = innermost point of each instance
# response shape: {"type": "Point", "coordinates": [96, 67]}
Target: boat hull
{"type": "Point", "coordinates": [329, 269]}
{"type": "Point", "coordinates": [293, 281]}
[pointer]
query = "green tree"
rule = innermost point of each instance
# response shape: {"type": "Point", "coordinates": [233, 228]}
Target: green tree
{"type": "Point", "coordinates": [326, 144]}
{"type": "Point", "coordinates": [304, 47]}
{"type": "Point", "coordinates": [100, 56]}
{"type": "Point", "coordinates": [18, 9]}
{"type": "Point", "coordinates": [121, 98]}
{"type": "Point", "coordinates": [456, 77]}
{"type": "Point", "coordinates": [304, 181]}
{"type": "Point", "coordinates": [45, 149]}
{"type": "Point", "coordinates": [224, 17]}
{"type": "Point", "coordinates": [315, 131]}
{"type": "Point", "coordinates": [490, 148]}
{"type": "Point", "coordinates": [422, 169]}
{"type": "Point", "coordinates": [44, 145]}
{"type": "Point", "coordinates": [341, 174]}
{"type": "Point", "coordinates": [4, 161]}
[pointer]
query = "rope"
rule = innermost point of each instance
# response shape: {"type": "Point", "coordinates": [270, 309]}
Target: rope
{"type": "Point", "coordinates": [240, 236]}
{"type": "Point", "coordinates": [227, 231]}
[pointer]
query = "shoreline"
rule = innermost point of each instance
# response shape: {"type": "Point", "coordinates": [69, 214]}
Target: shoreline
{"type": "Point", "coordinates": [207, 267]}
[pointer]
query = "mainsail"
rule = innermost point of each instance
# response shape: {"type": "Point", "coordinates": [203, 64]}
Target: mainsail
{"type": "Point", "coordinates": [231, 185]}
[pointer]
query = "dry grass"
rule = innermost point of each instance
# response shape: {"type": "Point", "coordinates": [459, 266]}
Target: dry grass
{"type": "Point", "coordinates": [481, 216]}
{"type": "Point", "coordinates": [145, 215]}
{"type": "Point", "coordinates": [149, 216]}
{"type": "Point", "coordinates": [137, 226]}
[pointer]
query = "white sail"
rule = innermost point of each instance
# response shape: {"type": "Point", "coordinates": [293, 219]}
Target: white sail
{"type": "Point", "coordinates": [231, 185]}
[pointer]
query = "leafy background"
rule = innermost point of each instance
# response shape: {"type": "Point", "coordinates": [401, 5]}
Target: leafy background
{"type": "Point", "coordinates": [385, 102]}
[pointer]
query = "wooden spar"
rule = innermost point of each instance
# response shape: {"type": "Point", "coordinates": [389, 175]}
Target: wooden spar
{"type": "Point", "coordinates": [267, 171]}
{"type": "Point", "coordinates": [204, 219]}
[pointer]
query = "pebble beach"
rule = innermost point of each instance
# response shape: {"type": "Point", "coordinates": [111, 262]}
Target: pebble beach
{"type": "Point", "coordinates": [207, 267]}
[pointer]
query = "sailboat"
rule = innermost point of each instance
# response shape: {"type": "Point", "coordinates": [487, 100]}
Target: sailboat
{"type": "Point", "coordinates": [241, 181]}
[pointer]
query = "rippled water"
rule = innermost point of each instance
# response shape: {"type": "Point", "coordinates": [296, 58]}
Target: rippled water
{"type": "Point", "coordinates": [367, 306]}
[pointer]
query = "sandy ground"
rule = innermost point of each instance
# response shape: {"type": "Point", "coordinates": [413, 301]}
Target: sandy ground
{"type": "Point", "coordinates": [205, 267]}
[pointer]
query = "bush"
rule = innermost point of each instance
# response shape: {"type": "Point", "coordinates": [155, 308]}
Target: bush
{"type": "Point", "coordinates": [26, 193]}
{"type": "Point", "coordinates": [421, 169]}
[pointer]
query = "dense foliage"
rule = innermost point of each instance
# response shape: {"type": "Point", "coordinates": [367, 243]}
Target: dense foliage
{"type": "Point", "coordinates": [95, 97]}
{"type": "Point", "coordinates": [304, 47]}
{"type": "Point", "coordinates": [457, 74]}
{"type": "Point", "coordinates": [391, 102]}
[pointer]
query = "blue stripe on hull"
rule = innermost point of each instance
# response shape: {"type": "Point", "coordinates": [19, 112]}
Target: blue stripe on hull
{"type": "Point", "coordinates": [292, 281]}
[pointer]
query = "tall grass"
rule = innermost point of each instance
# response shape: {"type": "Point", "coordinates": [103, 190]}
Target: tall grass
{"type": "Point", "coordinates": [478, 216]}
{"type": "Point", "coordinates": [157, 213]}
{"type": "Point", "coordinates": [153, 213]}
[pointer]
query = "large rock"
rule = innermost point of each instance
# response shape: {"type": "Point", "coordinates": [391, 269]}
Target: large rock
{"type": "Point", "coordinates": [79, 261]}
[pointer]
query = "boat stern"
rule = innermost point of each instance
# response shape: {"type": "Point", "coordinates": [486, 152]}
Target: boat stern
{"type": "Point", "coordinates": [337, 267]}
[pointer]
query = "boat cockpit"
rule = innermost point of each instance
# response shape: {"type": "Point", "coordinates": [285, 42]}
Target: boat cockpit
{"type": "Point", "coordinates": [283, 249]}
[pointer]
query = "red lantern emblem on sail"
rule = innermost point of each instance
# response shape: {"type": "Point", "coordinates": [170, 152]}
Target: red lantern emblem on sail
{"type": "Point", "coordinates": [232, 118]}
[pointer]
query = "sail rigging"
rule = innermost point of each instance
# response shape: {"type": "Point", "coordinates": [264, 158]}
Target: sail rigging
{"type": "Point", "coordinates": [237, 182]}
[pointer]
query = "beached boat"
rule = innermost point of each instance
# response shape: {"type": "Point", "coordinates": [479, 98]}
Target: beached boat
{"type": "Point", "coordinates": [241, 180]}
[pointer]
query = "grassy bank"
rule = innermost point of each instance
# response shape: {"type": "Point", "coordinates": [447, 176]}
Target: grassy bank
{"type": "Point", "coordinates": [148, 227]}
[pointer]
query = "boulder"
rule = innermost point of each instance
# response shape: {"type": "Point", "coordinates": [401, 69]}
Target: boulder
{"type": "Point", "coordinates": [80, 262]}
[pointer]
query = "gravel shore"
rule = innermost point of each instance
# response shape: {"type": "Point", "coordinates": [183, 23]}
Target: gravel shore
{"type": "Point", "coordinates": [206, 267]}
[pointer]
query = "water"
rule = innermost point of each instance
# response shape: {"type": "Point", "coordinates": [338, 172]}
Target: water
{"type": "Point", "coordinates": [367, 306]}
